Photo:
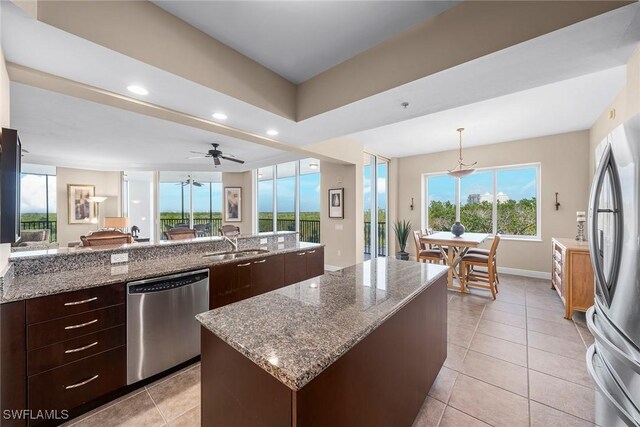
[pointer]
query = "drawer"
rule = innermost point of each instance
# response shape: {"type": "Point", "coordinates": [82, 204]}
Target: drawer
{"type": "Point", "coordinates": [69, 303]}
{"type": "Point", "coordinates": [79, 382]}
{"type": "Point", "coordinates": [61, 353]}
{"type": "Point", "coordinates": [66, 328]}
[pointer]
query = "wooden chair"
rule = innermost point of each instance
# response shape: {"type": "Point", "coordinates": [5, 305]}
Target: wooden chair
{"type": "Point", "coordinates": [180, 233]}
{"type": "Point", "coordinates": [229, 230]}
{"type": "Point", "coordinates": [106, 238]}
{"type": "Point", "coordinates": [484, 252]}
{"type": "Point", "coordinates": [424, 254]}
{"type": "Point", "coordinates": [479, 279]}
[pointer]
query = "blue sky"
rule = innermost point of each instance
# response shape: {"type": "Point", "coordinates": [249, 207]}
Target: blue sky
{"type": "Point", "coordinates": [170, 197]}
{"type": "Point", "coordinates": [309, 194]}
{"type": "Point", "coordinates": [382, 185]}
{"type": "Point", "coordinates": [516, 183]}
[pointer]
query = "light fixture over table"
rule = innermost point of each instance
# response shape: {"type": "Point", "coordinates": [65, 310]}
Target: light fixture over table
{"type": "Point", "coordinates": [462, 169]}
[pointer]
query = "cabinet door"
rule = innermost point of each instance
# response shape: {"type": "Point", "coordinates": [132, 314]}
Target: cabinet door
{"type": "Point", "coordinates": [222, 282]}
{"type": "Point", "coordinates": [315, 262]}
{"type": "Point", "coordinates": [295, 267]}
{"type": "Point", "coordinates": [243, 280]}
{"type": "Point", "coordinates": [267, 274]}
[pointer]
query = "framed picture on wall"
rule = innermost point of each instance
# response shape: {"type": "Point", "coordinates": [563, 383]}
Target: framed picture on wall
{"type": "Point", "coordinates": [81, 209]}
{"type": "Point", "coordinates": [233, 204]}
{"type": "Point", "coordinates": [336, 203]}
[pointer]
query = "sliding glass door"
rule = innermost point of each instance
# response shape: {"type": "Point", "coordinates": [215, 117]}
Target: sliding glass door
{"type": "Point", "coordinates": [376, 227]}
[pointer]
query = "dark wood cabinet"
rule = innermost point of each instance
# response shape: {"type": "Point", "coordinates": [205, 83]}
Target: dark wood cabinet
{"type": "Point", "coordinates": [233, 282]}
{"type": "Point", "coordinates": [267, 274]}
{"type": "Point", "coordinates": [13, 392]}
{"type": "Point", "coordinates": [303, 265]}
{"type": "Point", "coordinates": [295, 267]}
{"type": "Point", "coordinates": [69, 303]}
{"type": "Point", "coordinates": [229, 283]}
{"type": "Point", "coordinates": [315, 262]}
{"type": "Point", "coordinates": [74, 384]}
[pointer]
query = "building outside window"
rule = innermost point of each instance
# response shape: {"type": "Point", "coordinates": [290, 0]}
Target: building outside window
{"type": "Point", "coordinates": [499, 201]}
{"type": "Point", "coordinates": [38, 199]}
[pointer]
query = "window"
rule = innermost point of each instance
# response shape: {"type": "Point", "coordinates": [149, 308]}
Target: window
{"type": "Point", "coordinates": [38, 202]}
{"type": "Point", "coordinates": [501, 200]}
{"type": "Point", "coordinates": [291, 201]}
{"type": "Point", "coordinates": [265, 199]}
{"type": "Point", "coordinates": [375, 205]}
{"type": "Point", "coordinates": [191, 200]}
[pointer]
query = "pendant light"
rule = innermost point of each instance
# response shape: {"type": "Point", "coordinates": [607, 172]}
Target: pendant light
{"type": "Point", "coordinates": [462, 169]}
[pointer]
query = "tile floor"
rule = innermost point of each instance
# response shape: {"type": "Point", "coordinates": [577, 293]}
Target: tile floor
{"type": "Point", "coordinates": [511, 362]}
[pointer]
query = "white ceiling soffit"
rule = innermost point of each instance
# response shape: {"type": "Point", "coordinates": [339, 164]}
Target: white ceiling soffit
{"type": "Point", "coordinates": [66, 131]}
{"type": "Point", "coordinates": [593, 45]}
{"type": "Point", "coordinates": [300, 39]}
{"type": "Point", "coordinates": [560, 107]}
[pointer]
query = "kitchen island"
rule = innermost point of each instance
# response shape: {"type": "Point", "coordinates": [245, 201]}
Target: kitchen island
{"type": "Point", "coordinates": [356, 347]}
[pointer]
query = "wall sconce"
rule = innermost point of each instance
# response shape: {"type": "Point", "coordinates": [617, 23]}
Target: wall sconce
{"type": "Point", "coordinates": [411, 206]}
{"type": "Point", "coordinates": [557, 202]}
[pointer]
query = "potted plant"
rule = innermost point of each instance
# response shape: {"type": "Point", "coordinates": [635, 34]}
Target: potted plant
{"type": "Point", "coordinates": [402, 229]}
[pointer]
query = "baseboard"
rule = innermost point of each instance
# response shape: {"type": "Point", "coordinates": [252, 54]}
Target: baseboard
{"type": "Point", "coordinates": [328, 267]}
{"type": "Point", "coordinates": [525, 273]}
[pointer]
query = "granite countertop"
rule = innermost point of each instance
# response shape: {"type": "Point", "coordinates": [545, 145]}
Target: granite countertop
{"type": "Point", "coordinates": [35, 285]}
{"type": "Point", "coordinates": [296, 332]}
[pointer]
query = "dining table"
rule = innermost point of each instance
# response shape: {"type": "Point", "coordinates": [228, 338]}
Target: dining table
{"type": "Point", "coordinates": [453, 248]}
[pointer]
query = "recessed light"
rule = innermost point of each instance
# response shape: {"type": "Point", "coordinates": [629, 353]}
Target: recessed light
{"type": "Point", "coordinates": [138, 90]}
{"type": "Point", "coordinates": [272, 132]}
{"type": "Point", "coordinates": [313, 165]}
{"type": "Point", "coordinates": [219, 116]}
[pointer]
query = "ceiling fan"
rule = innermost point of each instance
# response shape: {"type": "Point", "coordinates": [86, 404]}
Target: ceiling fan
{"type": "Point", "coordinates": [216, 155]}
{"type": "Point", "coordinates": [190, 181]}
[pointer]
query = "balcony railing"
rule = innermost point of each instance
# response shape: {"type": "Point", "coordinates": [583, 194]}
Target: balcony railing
{"type": "Point", "coordinates": [204, 226]}
{"type": "Point", "coordinates": [309, 228]}
{"type": "Point", "coordinates": [382, 238]}
{"type": "Point", "coordinates": [42, 225]}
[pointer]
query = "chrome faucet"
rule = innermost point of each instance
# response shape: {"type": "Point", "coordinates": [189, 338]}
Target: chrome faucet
{"type": "Point", "coordinates": [233, 242]}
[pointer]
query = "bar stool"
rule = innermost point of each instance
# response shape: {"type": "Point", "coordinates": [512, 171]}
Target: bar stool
{"type": "Point", "coordinates": [422, 253]}
{"type": "Point", "coordinates": [480, 279]}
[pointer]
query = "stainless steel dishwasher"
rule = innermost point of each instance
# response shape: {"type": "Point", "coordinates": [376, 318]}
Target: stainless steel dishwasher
{"type": "Point", "coordinates": [162, 331]}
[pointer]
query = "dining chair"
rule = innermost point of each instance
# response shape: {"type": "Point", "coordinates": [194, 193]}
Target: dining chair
{"type": "Point", "coordinates": [180, 233]}
{"type": "Point", "coordinates": [485, 252]}
{"type": "Point", "coordinates": [106, 238]}
{"type": "Point", "coordinates": [423, 253]}
{"type": "Point", "coordinates": [229, 230]}
{"type": "Point", "coordinates": [479, 279]}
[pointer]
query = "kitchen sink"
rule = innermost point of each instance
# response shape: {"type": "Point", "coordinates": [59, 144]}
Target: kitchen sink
{"type": "Point", "coordinates": [229, 255]}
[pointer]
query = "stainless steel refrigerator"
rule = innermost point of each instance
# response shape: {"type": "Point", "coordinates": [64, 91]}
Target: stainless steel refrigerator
{"type": "Point", "coordinates": [614, 239]}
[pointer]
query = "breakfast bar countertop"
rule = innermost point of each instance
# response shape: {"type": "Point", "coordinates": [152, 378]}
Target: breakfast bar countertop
{"type": "Point", "coordinates": [27, 286]}
{"type": "Point", "coordinates": [296, 332]}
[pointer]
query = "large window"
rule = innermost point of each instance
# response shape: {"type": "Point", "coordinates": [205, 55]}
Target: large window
{"type": "Point", "coordinates": [500, 200]}
{"type": "Point", "coordinates": [291, 201]}
{"type": "Point", "coordinates": [190, 200]}
{"type": "Point", "coordinates": [375, 192]}
{"type": "Point", "coordinates": [38, 201]}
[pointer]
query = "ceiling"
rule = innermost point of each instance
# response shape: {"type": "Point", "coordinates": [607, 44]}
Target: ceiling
{"type": "Point", "coordinates": [299, 40]}
{"type": "Point", "coordinates": [500, 79]}
{"type": "Point", "coordinates": [565, 106]}
{"type": "Point", "coordinates": [66, 131]}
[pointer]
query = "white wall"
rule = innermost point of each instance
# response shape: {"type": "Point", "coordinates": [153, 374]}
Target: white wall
{"type": "Point", "coordinates": [107, 184]}
{"type": "Point", "coordinates": [141, 211]}
{"type": "Point", "coordinates": [564, 163]}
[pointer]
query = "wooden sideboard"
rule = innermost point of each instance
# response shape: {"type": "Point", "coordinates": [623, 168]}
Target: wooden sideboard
{"type": "Point", "coordinates": [571, 274]}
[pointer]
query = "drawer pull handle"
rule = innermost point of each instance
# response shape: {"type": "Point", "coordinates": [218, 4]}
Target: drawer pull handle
{"type": "Point", "coordinates": [75, 350]}
{"type": "Point", "coordinates": [244, 265]}
{"type": "Point", "coordinates": [312, 252]}
{"type": "Point", "coordinates": [81, 383]}
{"type": "Point", "coordinates": [84, 301]}
{"type": "Point", "coordinates": [81, 325]}
{"type": "Point", "coordinates": [260, 262]}
{"type": "Point", "coordinates": [301, 253]}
